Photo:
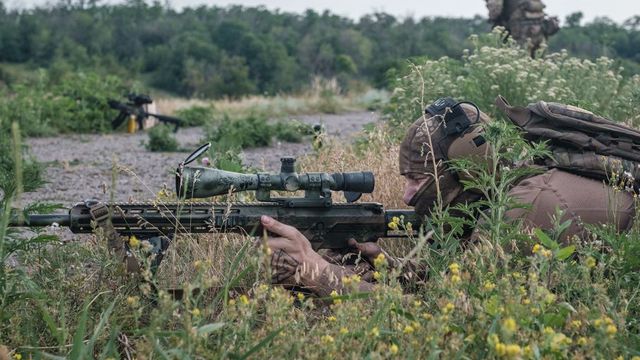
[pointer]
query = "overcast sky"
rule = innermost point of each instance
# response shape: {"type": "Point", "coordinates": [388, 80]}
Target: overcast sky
{"type": "Point", "coordinates": [618, 10]}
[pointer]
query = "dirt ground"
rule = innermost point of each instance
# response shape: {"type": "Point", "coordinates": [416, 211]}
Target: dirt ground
{"type": "Point", "coordinates": [82, 166]}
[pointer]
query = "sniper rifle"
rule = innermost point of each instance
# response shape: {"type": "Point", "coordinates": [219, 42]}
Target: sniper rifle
{"type": "Point", "coordinates": [326, 224]}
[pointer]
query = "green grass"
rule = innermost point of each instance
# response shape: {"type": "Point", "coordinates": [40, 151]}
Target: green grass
{"type": "Point", "coordinates": [512, 294]}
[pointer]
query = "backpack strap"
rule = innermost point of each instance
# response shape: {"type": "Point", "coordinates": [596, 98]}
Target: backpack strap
{"type": "Point", "coordinates": [519, 115]}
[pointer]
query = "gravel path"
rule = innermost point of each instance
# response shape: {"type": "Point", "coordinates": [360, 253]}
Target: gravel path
{"type": "Point", "coordinates": [81, 166]}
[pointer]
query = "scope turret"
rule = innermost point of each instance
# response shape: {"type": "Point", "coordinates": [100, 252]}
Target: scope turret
{"type": "Point", "coordinates": [202, 182]}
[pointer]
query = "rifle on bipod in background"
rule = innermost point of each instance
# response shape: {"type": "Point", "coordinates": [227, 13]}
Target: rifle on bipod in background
{"type": "Point", "coordinates": [326, 224]}
{"type": "Point", "coordinates": [135, 109]}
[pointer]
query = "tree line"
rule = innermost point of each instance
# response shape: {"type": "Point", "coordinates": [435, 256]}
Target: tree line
{"type": "Point", "coordinates": [234, 51]}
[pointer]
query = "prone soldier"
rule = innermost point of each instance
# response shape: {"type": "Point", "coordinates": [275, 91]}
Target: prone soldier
{"type": "Point", "coordinates": [583, 200]}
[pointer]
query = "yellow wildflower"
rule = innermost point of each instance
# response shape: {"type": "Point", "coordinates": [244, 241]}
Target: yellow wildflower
{"type": "Point", "coordinates": [326, 339]}
{"type": "Point", "coordinates": [590, 262]}
{"type": "Point", "coordinates": [393, 349]}
{"type": "Point", "coordinates": [559, 341]}
{"type": "Point", "coordinates": [133, 301]}
{"type": "Point", "coordinates": [455, 279]}
{"type": "Point", "coordinates": [332, 318]}
{"type": "Point", "coordinates": [134, 242]}
{"type": "Point", "coordinates": [548, 331]}
{"type": "Point", "coordinates": [300, 296]}
{"type": "Point", "coordinates": [533, 276]}
{"type": "Point", "coordinates": [526, 301]}
{"type": "Point", "coordinates": [408, 329]}
{"type": "Point", "coordinates": [394, 224]}
{"type": "Point", "coordinates": [232, 301]}
{"type": "Point", "coordinates": [376, 275]}
{"type": "Point", "coordinates": [454, 268]}
{"type": "Point", "coordinates": [344, 330]}
{"type": "Point", "coordinates": [448, 308]}
{"type": "Point", "coordinates": [501, 349]}
{"type": "Point", "coordinates": [334, 295]}
{"type": "Point", "coordinates": [516, 275]}
{"type": "Point", "coordinates": [528, 351]}
{"type": "Point", "coordinates": [549, 298]}
{"type": "Point", "coordinates": [380, 260]}
{"type": "Point", "coordinates": [523, 290]}
{"type": "Point", "coordinates": [513, 350]}
{"type": "Point", "coordinates": [576, 323]}
{"type": "Point", "coordinates": [17, 356]}
{"type": "Point", "coordinates": [546, 253]}
{"type": "Point", "coordinates": [509, 325]}
{"type": "Point", "coordinates": [489, 286]}
{"type": "Point", "coordinates": [611, 330]}
{"type": "Point", "coordinates": [582, 341]}
{"type": "Point", "coordinates": [375, 332]}
{"type": "Point", "coordinates": [427, 316]}
{"type": "Point", "coordinates": [535, 311]}
{"type": "Point", "coordinates": [195, 312]}
{"type": "Point", "coordinates": [244, 299]}
{"type": "Point", "coordinates": [536, 248]}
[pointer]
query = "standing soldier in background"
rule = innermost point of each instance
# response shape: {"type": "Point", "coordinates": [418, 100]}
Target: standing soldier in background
{"type": "Point", "coordinates": [525, 21]}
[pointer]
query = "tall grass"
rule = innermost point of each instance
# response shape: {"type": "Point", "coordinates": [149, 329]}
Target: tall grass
{"type": "Point", "coordinates": [481, 300]}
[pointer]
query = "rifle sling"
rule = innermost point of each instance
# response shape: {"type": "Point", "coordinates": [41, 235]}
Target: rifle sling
{"type": "Point", "coordinates": [101, 214]}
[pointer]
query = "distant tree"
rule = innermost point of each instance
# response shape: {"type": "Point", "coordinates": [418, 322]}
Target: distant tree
{"type": "Point", "coordinates": [574, 19]}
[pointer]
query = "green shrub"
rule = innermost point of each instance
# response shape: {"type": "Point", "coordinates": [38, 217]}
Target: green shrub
{"type": "Point", "coordinates": [196, 115]}
{"type": "Point", "coordinates": [161, 138]}
{"type": "Point", "coordinates": [78, 103]}
{"type": "Point", "coordinates": [292, 131]}
{"type": "Point", "coordinates": [495, 67]}
{"type": "Point", "coordinates": [241, 133]}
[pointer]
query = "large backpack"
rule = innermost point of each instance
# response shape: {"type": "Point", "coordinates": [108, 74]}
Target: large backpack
{"type": "Point", "coordinates": [580, 141]}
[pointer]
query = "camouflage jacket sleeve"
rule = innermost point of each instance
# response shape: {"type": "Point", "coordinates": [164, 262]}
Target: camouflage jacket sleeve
{"type": "Point", "coordinates": [348, 263]}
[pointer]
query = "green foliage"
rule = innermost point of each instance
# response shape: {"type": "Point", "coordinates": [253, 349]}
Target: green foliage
{"type": "Point", "coordinates": [78, 103]}
{"type": "Point", "coordinates": [292, 131]}
{"type": "Point", "coordinates": [494, 67]}
{"type": "Point", "coordinates": [240, 133]}
{"type": "Point", "coordinates": [161, 138]}
{"type": "Point", "coordinates": [196, 115]}
{"type": "Point", "coordinates": [252, 131]}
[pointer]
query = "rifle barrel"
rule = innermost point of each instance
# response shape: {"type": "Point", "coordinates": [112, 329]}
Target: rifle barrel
{"type": "Point", "coordinates": [41, 220]}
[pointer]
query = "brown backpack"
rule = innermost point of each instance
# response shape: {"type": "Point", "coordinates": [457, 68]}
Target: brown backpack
{"type": "Point", "coordinates": [581, 142]}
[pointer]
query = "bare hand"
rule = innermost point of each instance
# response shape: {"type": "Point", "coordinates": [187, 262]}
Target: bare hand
{"type": "Point", "coordinates": [292, 252]}
{"type": "Point", "coordinates": [369, 250]}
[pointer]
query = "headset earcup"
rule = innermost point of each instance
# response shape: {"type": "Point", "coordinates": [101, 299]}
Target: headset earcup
{"type": "Point", "coordinates": [471, 145]}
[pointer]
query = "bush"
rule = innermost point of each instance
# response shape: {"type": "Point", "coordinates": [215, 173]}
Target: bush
{"type": "Point", "coordinates": [292, 131]}
{"type": "Point", "coordinates": [496, 67]}
{"type": "Point", "coordinates": [161, 138]}
{"type": "Point", "coordinates": [77, 104]}
{"type": "Point", "coordinates": [253, 131]}
{"type": "Point", "coordinates": [196, 115]}
{"type": "Point", "coordinates": [248, 132]}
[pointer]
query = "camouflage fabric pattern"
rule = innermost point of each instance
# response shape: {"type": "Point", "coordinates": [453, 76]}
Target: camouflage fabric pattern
{"type": "Point", "coordinates": [525, 20]}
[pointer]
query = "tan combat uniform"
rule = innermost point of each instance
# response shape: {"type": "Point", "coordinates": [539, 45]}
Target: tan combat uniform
{"type": "Point", "coordinates": [582, 200]}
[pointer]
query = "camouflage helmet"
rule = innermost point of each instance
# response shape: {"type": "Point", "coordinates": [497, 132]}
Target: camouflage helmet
{"type": "Point", "coordinates": [448, 130]}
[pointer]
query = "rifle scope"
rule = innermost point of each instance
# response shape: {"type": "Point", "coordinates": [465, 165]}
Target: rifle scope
{"type": "Point", "coordinates": [202, 182]}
